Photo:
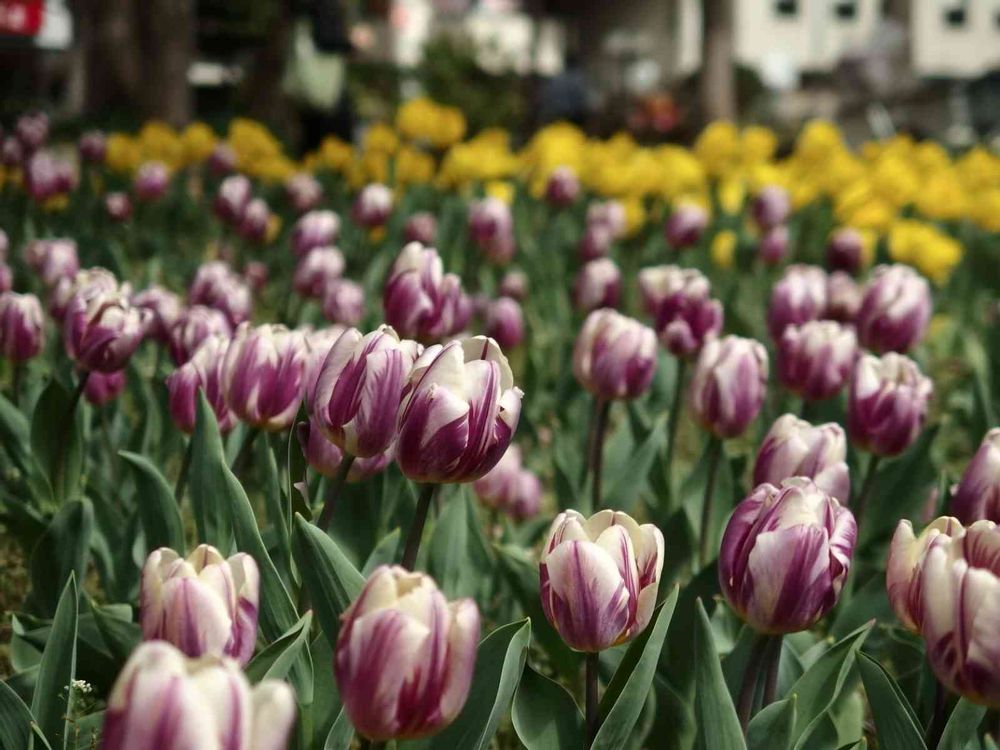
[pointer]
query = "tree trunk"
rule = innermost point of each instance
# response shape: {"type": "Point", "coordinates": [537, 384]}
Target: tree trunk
{"type": "Point", "coordinates": [718, 75]}
{"type": "Point", "coordinates": [168, 34]}
{"type": "Point", "coordinates": [111, 53]}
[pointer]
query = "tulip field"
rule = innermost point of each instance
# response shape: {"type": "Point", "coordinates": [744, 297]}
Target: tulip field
{"type": "Point", "coordinates": [444, 440]}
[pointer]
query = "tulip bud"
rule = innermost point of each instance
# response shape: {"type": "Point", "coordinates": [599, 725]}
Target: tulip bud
{"type": "Point", "coordinates": [491, 227]}
{"type": "Point", "coordinates": [596, 242]}
{"type": "Point", "coordinates": [685, 226]}
{"type": "Point", "coordinates": [101, 387]}
{"type": "Point", "coordinates": [845, 250]}
{"type": "Point", "coordinates": [202, 371]}
{"type": "Point", "coordinates": [562, 187]}
{"type": "Point", "coordinates": [514, 284]}
{"type": "Point", "coordinates": [904, 573]}
{"type": "Point", "coordinates": [6, 278]}
{"type": "Point", "coordinates": [795, 448]}
{"type": "Point", "coordinates": [22, 326]}
{"type": "Point", "coordinates": [598, 284]}
{"type": "Point", "coordinates": [46, 177]}
{"type": "Point", "coordinates": [318, 345]}
{"type": "Point", "coordinates": [895, 309]}
{"type": "Point", "coordinates": [843, 298]}
{"type": "Point", "coordinates": [684, 314]}
{"type": "Point", "coordinates": [204, 605]}
{"type": "Point", "coordinates": [773, 246]}
{"type": "Point", "coordinates": [222, 160]}
{"type": "Point", "coordinates": [785, 556]}
{"type": "Point", "coordinates": [887, 403]}
{"type": "Point", "coordinates": [194, 325]}
{"type": "Point", "coordinates": [405, 656]}
{"type": "Point", "coordinates": [373, 206]}
{"type": "Point", "coordinates": [325, 457]}
{"type": "Point", "coordinates": [102, 331]}
{"type": "Point", "coordinates": [303, 191]}
{"type": "Point", "coordinates": [771, 207]}
{"type": "Point", "coordinates": [961, 603]}
{"type": "Point", "coordinates": [816, 358]}
{"type": "Point", "coordinates": [118, 206]}
{"type": "Point", "coordinates": [316, 270]}
{"type": "Point", "coordinates": [420, 300]}
{"type": "Point", "coordinates": [232, 198]}
{"type": "Point", "coordinates": [162, 701]}
{"type": "Point", "coordinates": [165, 309]}
{"type": "Point", "coordinates": [610, 214]}
{"type": "Point", "coordinates": [614, 356]}
{"type": "Point", "coordinates": [32, 130]}
{"type": "Point", "coordinates": [458, 412]}
{"type": "Point", "coordinates": [505, 322]}
{"type": "Point", "coordinates": [344, 302]}
{"type": "Point", "coordinates": [52, 260]}
{"type": "Point", "coordinates": [599, 578]}
{"type": "Point", "coordinates": [527, 498]}
{"type": "Point", "coordinates": [360, 387]}
{"type": "Point", "coordinates": [151, 181]}
{"type": "Point", "coordinates": [315, 229]}
{"type": "Point", "coordinates": [255, 221]}
{"type": "Point", "coordinates": [977, 496]}
{"type": "Point", "coordinates": [93, 147]}
{"type": "Point", "coordinates": [216, 285]}
{"type": "Point", "coordinates": [11, 152]}
{"type": "Point", "coordinates": [729, 385]}
{"type": "Point", "coordinates": [263, 375]}
{"type": "Point", "coordinates": [497, 487]}
{"type": "Point", "coordinates": [87, 283]}
{"type": "Point", "coordinates": [421, 227]}
{"type": "Point", "coordinates": [798, 297]}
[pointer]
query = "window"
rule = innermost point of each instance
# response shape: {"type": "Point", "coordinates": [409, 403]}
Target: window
{"type": "Point", "coordinates": [845, 10]}
{"type": "Point", "coordinates": [955, 18]}
{"type": "Point", "coordinates": [786, 8]}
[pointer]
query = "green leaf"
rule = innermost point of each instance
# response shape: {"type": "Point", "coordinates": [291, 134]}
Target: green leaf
{"type": "Point", "coordinates": [210, 480]}
{"type": "Point", "coordinates": [273, 502]}
{"type": "Point", "coordinates": [15, 434]}
{"type": "Point", "coordinates": [289, 654]}
{"type": "Point", "coordinates": [385, 552]}
{"type": "Point", "coordinates": [962, 726]}
{"type": "Point", "coordinates": [158, 511]}
{"type": "Point", "coordinates": [625, 695]}
{"type": "Point", "coordinates": [457, 558]}
{"type": "Point", "coordinates": [57, 441]}
{"type": "Point", "coordinates": [329, 577]}
{"type": "Point", "coordinates": [50, 700]}
{"type": "Point", "coordinates": [341, 733]}
{"type": "Point", "coordinates": [723, 494]}
{"type": "Point", "coordinates": [63, 549]}
{"type": "Point", "coordinates": [894, 718]}
{"type": "Point", "coordinates": [771, 728]}
{"type": "Point", "coordinates": [624, 486]}
{"type": "Point", "coordinates": [15, 719]}
{"type": "Point", "coordinates": [119, 635]}
{"type": "Point", "coordinates": [718, 724]}
{"type": "Point", "coordinates": [545, 714]}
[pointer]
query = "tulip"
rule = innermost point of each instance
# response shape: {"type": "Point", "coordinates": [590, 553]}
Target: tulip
{"type": "Point", "coordinates": [458, 412]}
{"type": "Point", "coordinates": [562, 188]}
{"type": "Point", "coordinates": [773, 246]}
{"type": "Point", "coordinates": [315, 229]}
{"type": "Point", "coordinates": [505, 322]}
{"type": "Point", "coordinates": [596, 242]}
{"type": "Point", "coordinates": [599, 577]}
{"type": "Point", "coordinates": [729, 384]}
{"type": "Point", "coordinates": [843, 297]}
{"type": "Point", "coordinates": [887, 403]}
{"type": "Point", "coordinates": [232, 198]}
{"type": "Point", "coordinates": [118, 206]}
{"type": "Point", "coordinates": [316, 270]}
{"type": "Point", "coordinates": [895, 309]}
{"type": "Point", "coordinates": [22, 326]}
{"type": "Point", "coordinates": [527, 498]}
{"type": "Point", "coordinates": [514, 284]}
{"type": "Point", "coordinates": [52, 260]}
{"type": "Point", "coordinates": [615, 356]}
{"type": "Point", "coordinates": [46, 177]}
{"type": "Point", "coordinates": [610, 214]}
{"type": "Point", "coordinates": [685, 226]}
{"type": "Point", "coordinates": [255, 275]}
{"type": "Point", "coordinates": [491, 227]}
{"type": "Point", "coordinates": [904, 573]}
{"type": "Point", "coordinates": [684, 314]}
{"type": "Point", "coordinates": [263, 375]}
{"type": "Point", "coordinates": [318, 345]}
{"type": "Point", "coordinates": [204, 605]}
{"type": "Point", "coordinates": [163, 701]}
{"type": "Point", "coordinates": [6, 278]}
{"type": "Point", "coordinates": [845, 250]}
{"type": "Point", "coordinates": [497, 487]}
{"type": "Point", "coordinates": [222, 160]}
{"type": "Point", "coordinates": [151, 181]}
{"type": "Point", "coordinates": [961, 613]}
{"type": "Point", "coordinates": [216, 285]}
{"type": "Point", "coordinates": [785, 556]}
{"type": "Point", "coordinates": [798, 297]}
{"type": "Point", "coordinates": [100, 388]}
{"type": "Point", "coordinates": [373, 206]}
{"type": "Point", "coordinates": [359, 389]}
{"type": "Point", "coordinates": [303, 191]}
{"type": "Point", "coordinates": [326, 458]}
{"type": "Point", "coordinates": [977, 496]}
{"type": "Point", "coordinates": [771, 207]}
{"type": "Point", "coordinates": [93, 147]}
{"type": "Point", "coordinates": [87, 283]}
{"type": "Point", "coordinates": [11, 152]}
{"type": "Point", "coordinates": [194, 325]}
{"type": "Point", "coordinates": [405, 656]}
{"type": "Point", "coordinates": [165, 309]}
{"type": "Point", "coordinates": [421, 227]}
{"type": "Point", "coordinates": [102, 331]}
{"type": "Point", "coordinates": [344, 302]}
{"type": "Point", "coordinates": [202, 371]}
{"type": "Point", "coordinates": [815, 359]}
{"type": "Point", "coordinates": [32, 130]}
{"type": "Point", "coordinates": [420, 300]}
{"type": "Point", "coordinates": [598, 284]}
{"type": "Point", "coordinates": [255, 221]}
{"type": "Point", "coordinates": [795, 448]}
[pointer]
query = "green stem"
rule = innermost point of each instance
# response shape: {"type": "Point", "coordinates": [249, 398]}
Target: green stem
{"type": "Point", "coordinates": [244, 453]}
{"type": "Point", "coordinates": [714, 453]}
{"type": "Point", "coordinates": [866, 488]}
{"type": "Point", "coordinates": [593, 710]}
{"type": "Point", "coordinates": [77, 395]}
{"type": "Point", "coordinates": [773, 659]}
{"type": "Point", "coordinates": [751, 676]}
{"type": "Point", "coordinates": [333, 491]}
{"type": "Point", "coordinates": [675, 411]}
{"type": "Point", "coordinates": [183, 474]}
{"type": "Point", "coordinates": [939, 719]}
{"type": "Point", "coordinates": [596, 458]}
{"type": "Point", "coordinates": [417, 527]}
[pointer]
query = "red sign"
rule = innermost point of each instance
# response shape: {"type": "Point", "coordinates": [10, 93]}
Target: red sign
{"type": "Point", "coordinates": [21, 17]}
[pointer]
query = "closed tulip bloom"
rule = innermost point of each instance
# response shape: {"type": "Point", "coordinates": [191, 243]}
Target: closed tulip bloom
{"type": "Point", "coordinates": [458, 413]}
{"type": "Point", "coordinates": [563, 187]}
{"type": "Point", "coordinates": [222, 160]}
{"type": "Point", "coordinates": [598, 284]}
{"type": "Point", "coordinates": [22, 326]}
{"type": "Point", "coordinates": [684, 314]}
{"type": "Point", "coordinates": [32, 130]}
{"type": "Point", "coordinates": [420, 300]}
{"type": "Point", "coordinates": [489, 219]}
{"type": "Point", "coordinates": [373, 205]}
{"type": "Point", "coordinates": [421, 227]}
{"type": "Point", "coordinates": [514, 284]}
{"type": "Point", "coordinates": [52, 259]}
{"type": "Point", "coordinates": [596, 242]}
{"type": "Point", "coordinates": [151, 181]}
{"type": "Point", "coordinates": [904, 575]}
{"type": "Point", "coordinates": [324, 457]}
{"type": "Point", "coordinates": [977, 496]}
{"type": "Point", "coordinates": [6, 278]}
{"type": "Point", "coordinates": [216, 285]}
{"type": "Point", "coordinates": [405, 656]}
{"type": "Point", "coordinates": [599, 577]}
{"type": "Point", "coordinates": [118, 206]}
{"type": "Point", "coordinates": [609, 213]}
{"type": "Point", "coordinates": [315, 229]}
{"type": "Point", "coordinates": [316, 270]}
{"type": "Point", "coordinates": [795, 448]}
{"type": "Point", "coordinates": [614, 356]}
{"type": "Point", "coordinates": [729, 385]}
{"type": "Point", "coordinates": [815, 359]}
{"type": "Point", "coordinates": [164, 701]}
{"type": "Point", "coordinates": [101, 332]}
{"type": "Point", "coordinates": [232, 198]}
{"type": "Point", "coordinates": [87, 283]}
{"type": "Point", "coordinates": [46, 177]}
{"type": "Point", "coordinates": [202, 371]}
{"type": "Point", "coordinates": [771, 207]}
{"type": "Point", "coordinates": [318, 345]}
{"type": "Point", "coordinates": [93, 147]}
{"type": "Point", "coordinates": [304, 192]}
{"type": "Point", "coordinates": [101, 387]}
{"type": "Point", "coordinates": [895, 309]}
{"type": "Point", "coordinates": [497, 487]}
{"type": "Point", "coordinates": [798, 297]}
{"type": "Point", "coordinates": [11, 152]}
{"type": "Point", "coordinates": [344, 302]}
{"type": "Point", "coordinates": [194, 325]}
{"type": "Point", "coordinates": [845, 250]}
{"type": "Point", "coordinates": [164, 306]}
{"type": "Point", "coordinates": [255, 221]}
{"type": "Point", "coordinates": [505, 322]}
{"type": "Point", "coordinates": [843, 297]}
{"type": "Point", "coordinates": [527, 500]}
{"type": "Point", "coordinates": [685, 226]}
{"type": "Point", "coordinates": [785, 556]}
{"type": "Point", "coordinates": [887, 403]}
{"type": "Point", "coordinates": [359, 389]}
{"type": "Point", "coordinates": [264, 375]}
{"type": "Point", "coordinates": [961, 597]}
{"type": "Point", "coordinates": [773, 246]}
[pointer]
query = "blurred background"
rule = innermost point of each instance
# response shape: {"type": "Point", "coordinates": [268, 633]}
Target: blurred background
{"type": "Point", "coordinates": [658, 68]}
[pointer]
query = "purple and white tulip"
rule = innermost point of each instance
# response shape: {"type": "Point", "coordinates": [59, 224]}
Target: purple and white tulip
{"type": "Point", "coordinates": [773, 245]}
{"type": "Point", "coordinates": [344, 302]}
{"type": "Point", "coordinates": [614, 356]}
{"type": "Point", "coordinates": [684, 314]}
{"type": "Point", "coordinates": [217, 285]}
{"type": "Point", "coordinates": [420, 300]}
{"type": "Point", "coordinates": [103, 330]}
{"type": "Point", "coordinates": [316, 270]}
{"type": "Point", "coordinates": [87, 283]}
{"type": "Point", "coordinates": [222, 160]}
{"type": "Point", "coordinates": [421, 227]}
{"type": "Point", "coordinates": [843, 297]}
{"type": "Point", "coordinates": [255, 221]}
{"type": "Point", "coordinates": [373, 206]}
{"type": "Point", "coordinates": [93, 147]}
{"type": "Point", "coordinates": [315, 229]}
{"type": "Point", "coordinates": [598, 284]}
{"type": "Point", "coordinates": [52, 260]}
{"type": "Point", "coordinates": [771, 207]}
{"type": "Point", "coordinates": [685, 226]}
{"type": "Point", "coordinates": [845, 250]}
{"type": "Point", "coordinates": [491, 227]}
{"type": "Point", "coordinates": [563, 187]}
{"type": "Point", "coordinates": [795, 448]}
{"type": "Point", "coordinates": [118, 206]}
{"type": "Point", "coordinates": [596, 242]}
{"type": "Point", "coordinates": [232, 199]}
{"type": "Point", "coordinates": [505, 322]}
{"type": "Point", "coordinates": [165, 310]}
{"type": "Point", "coordinates": [815, 359]}
{"type": "Point", "coordinates": [151, 181]}
{"type": "Point", "coordinates": [904, 574]}
{"type": "Point", "coordinates": [977, 496]}
{"type": "Point", "coordinates": [798, 297]}
{"type": "Point", "coordinates": [729, 385]}
{"type": "Point", "coordinates": [22, 326]}
{"type": "Point", "coordinates": [325, 457]}
{"type": "Point", "coordinates": [194, 325]}
{"type": "Point", "coordinates": [514, 284]}
{"type": "Point", "coordinates": [264, 375]}
{"type": "Point", "coordinates": [102, 387]}
{"type": "Point", "coordinates": [887, 403]}
{"type": "Point", "coordinates": [304, 192]}
{"type": "Point", "coordinates": [895, 309]}
{"type": "Point", "coordinates": [202, 371]}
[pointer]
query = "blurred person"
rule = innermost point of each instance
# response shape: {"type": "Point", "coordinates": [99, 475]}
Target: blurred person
{"type": "Point", "coordinates": [566, 95]}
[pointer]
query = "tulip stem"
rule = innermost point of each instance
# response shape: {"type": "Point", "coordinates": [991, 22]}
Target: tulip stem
{"type": "Point", "coordinates": [939, 718]}
{"type": "Point", "coordinates": [675, 411]}
{"type": "Point", "coordinates": [77, 395]}
{"type": "Point", "coordinates": [714, 454]}
{"type": "Point", "coordinates": [773, 658]}
{"type": "Point", "coordinates": [417, 527]}
{"type": "Point", "coordinates": [183, 475]}
{"type": "Point", "coordinates": [244, 453]}
{"type": "Point", "coordinates": [593, 713]}
{"type": "Point", "coordinates": [333, 491]}
{"type": "Point", "coordinates": [596, 458]}
{"type": "Point", "coordinates": [748, 688]}
{"type": "Point", "coordinates": [866, 488]}
{"type": "Point", "coordinates": [15, 382]}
